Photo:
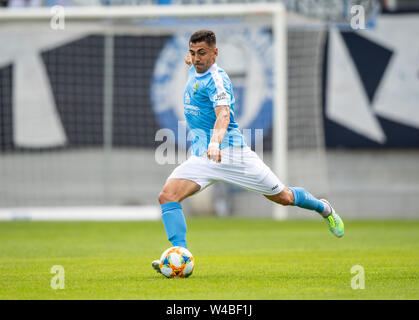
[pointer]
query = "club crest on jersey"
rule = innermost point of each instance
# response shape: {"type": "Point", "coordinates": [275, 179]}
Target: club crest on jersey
{"type": "Point", "coordinates": [195, 88]}
{"type": "Point", "coordinates": [247, 59]}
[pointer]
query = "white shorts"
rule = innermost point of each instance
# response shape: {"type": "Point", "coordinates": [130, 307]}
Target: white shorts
{"type": "Point", "coordinates": [239, 166]}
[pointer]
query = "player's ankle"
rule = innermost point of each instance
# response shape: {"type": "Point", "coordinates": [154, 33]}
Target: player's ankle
{"type": "Point", "coordinates": [327, 209]}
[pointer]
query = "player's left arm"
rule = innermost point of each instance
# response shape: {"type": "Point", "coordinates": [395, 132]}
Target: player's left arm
{"type": "Point", "coordinates": [220, 128]}
{"type": "Point", "coordinates": [188, 59]}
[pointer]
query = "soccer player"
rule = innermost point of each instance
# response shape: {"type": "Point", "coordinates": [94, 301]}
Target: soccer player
{"type": "Point", "coordinates": [219, 151]}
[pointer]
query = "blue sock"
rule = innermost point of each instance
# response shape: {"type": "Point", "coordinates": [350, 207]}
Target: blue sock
{"type": "Point", "coordinates": [174, 223]}
{"type": "Point", "coordinates": [304, 199]}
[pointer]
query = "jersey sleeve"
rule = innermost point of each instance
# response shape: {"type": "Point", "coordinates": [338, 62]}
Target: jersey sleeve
{"type": "Point", "coordinates": [220, 90]}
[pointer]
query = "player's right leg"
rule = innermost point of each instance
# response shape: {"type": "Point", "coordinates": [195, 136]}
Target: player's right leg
{"type": "Point", "coordinates": [173, 192]}
{"type": "Point", "coordinates": [190, 177]}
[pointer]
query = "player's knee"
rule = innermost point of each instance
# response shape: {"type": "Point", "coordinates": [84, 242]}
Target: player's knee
{"type": "Point", "coordinates": [286, 197]}
{"type": "Point", "coordinates": [167, 196]}
{"type": "Point", "coordinates": [163, 197]}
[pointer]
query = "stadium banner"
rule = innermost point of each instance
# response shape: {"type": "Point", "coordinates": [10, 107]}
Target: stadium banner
{"type": "Point", "coordinates": [370, 96]}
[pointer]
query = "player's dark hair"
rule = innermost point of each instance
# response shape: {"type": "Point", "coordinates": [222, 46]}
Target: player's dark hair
{"type": "Point", "coordinates": [203, 35]}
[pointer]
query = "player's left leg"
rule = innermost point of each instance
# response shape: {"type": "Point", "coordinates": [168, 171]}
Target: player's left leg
{"type": "Point", "coordinates": [301, 198]}
{"type": "Point", "coordinates": [244, 168]}
{"type": "Point", "coordinates": [297, 196]}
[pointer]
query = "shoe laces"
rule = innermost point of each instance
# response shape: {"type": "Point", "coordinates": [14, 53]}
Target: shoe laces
{"type": "Point", "coordinates": [332, 220]}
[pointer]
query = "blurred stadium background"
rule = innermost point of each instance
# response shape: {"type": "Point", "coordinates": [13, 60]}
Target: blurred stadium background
{"type": "Point", "coordinates": [79, 116]}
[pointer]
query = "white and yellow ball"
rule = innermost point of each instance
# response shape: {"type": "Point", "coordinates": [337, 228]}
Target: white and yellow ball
{"type": "Point", "coordinates": [177, 262]}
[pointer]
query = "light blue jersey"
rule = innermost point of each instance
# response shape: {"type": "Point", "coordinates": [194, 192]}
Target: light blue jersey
{"type": "Point", "coordinates": [203, 93]}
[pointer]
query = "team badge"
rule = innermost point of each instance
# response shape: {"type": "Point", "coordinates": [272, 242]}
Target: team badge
{"type": "Point", "coordinates": [195, 88]}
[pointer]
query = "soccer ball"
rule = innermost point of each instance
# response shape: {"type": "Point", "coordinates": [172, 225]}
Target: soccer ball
{"type": "Point", "coordinates": [177, 262]}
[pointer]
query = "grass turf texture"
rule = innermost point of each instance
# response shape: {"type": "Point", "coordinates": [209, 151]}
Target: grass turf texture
{"type": "Point", "coordinates": [235, 259]}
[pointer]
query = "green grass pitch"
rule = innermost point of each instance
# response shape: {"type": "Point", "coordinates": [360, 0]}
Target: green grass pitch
{"type": "Point", "coordinates": [235, 259]}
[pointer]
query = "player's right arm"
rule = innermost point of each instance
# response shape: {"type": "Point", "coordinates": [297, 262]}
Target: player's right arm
{"type": "Point", "coordinates": [220, 96]}
{"type": "Point", "coordinates": [220, 128]}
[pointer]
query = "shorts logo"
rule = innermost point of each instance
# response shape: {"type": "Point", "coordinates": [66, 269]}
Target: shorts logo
{"type": "Point", "coordinates": [273, 188]}
{"type": "Point", "coordinates": [247, 54]}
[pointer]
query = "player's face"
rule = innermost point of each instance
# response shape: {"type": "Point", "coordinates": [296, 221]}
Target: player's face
{"type": "Point", "coordinates": [202, 55]}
